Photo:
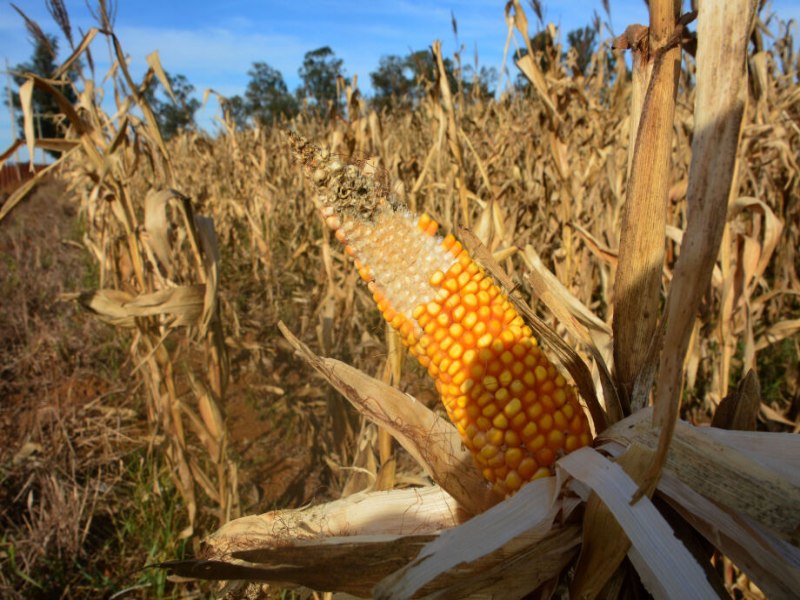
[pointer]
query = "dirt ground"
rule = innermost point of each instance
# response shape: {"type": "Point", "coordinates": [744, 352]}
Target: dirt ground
{"type": "Point", "coordinates": [72, 418]}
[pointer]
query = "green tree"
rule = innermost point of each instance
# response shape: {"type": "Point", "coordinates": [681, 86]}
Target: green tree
{"type": "Point", "coordinates": [267, 97]}
{"type": "Point", "coordinates": [480, 82]}
{"type": "Point", "coordinates": [45, 108]}
{"type": "Point", "coordinates": [235, 108]}
{"type": "Point", "coordinates": [402, 82]}
{"type": "Point", "coordinates": [319, 72]}
{"type": "Point", "coordinates": [584, 41]}
{"type": "Point", "coordinates": [177, 116]}
{"type": "Point", "coordinates": [392, 83]}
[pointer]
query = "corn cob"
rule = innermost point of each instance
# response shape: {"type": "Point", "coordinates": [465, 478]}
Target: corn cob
{"type": "Point", "coordinates": [514, 411]}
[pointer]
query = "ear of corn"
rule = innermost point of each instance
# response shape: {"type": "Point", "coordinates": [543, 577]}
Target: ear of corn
{"type": "Point", "coordinates": [514, 410]}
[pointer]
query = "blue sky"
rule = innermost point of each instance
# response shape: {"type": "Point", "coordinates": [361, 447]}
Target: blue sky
{"type": "Point", "coordinates": [214, 43]}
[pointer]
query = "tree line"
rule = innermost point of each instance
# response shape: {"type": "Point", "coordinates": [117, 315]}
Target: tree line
{"type": "Point", "coordinates": [399, 82]}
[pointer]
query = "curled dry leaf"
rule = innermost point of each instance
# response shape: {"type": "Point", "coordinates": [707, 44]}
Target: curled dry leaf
{"type": "Point", "coordinates": [431, 440]}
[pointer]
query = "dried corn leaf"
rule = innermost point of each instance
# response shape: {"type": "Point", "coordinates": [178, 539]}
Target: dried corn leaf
{"type": "Point", "coordinates": [604, 543]}
{"type": "Point", "coordinates": [722, 31]}
{"type": "Point", "coordinates": [26, 102]}
{"type": "Point", "coordinates": [777, 332]}
{"type": "Point", "coordinates": [182, 304]}
{"type": "Point", "coordinates": [773, 565]}
{"type": "Point", "coordinates": [739, 410]}
{"type": "Point", "coordinates": [754, 473]}
{"type": "Point", "coordinates": [579, 321]}
{"type": "Point", "coordinates": [157, 226]}
{"type": "Point", "coordinates": [432, 441]}
{"type": "Point", "coordinates": [655, 551]}
{"type": "Point", "coordinates": [508, 551]}
{"type": "Point", "coordinates": [154, 62]}
{"type": "Point", "coordinates": [207, 236]}
{"type": "Point", "coordinates": [345, 545]}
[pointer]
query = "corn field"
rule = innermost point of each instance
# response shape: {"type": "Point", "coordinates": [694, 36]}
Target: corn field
{"type": "Point", "coordinates": [642, 227]}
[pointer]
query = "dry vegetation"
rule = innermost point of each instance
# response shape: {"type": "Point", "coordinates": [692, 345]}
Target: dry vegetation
{"type": "Point", "coordinates": [128, 441]}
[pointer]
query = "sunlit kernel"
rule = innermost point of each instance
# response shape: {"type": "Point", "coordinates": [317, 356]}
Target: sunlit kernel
{"type": "Point", "coordinates": [469, 356]}
{"type": "Point", "coordinates": [436, 278]}
{"type": "Point", "coordinates": [485, 340]}
{"type": "Point", "coordinates": [455, 368]}
{"type": "Point", "coordinates": [459, 312]}
{"type": "Point", "coordinates": [494, 327]}
{"type": "Point", "coordinates": [469, 320]}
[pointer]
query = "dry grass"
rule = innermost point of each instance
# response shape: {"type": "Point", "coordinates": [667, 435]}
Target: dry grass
{"type": "Point", "coordinates": [545, 171]}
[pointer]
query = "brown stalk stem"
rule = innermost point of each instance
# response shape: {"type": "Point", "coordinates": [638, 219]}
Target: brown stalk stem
{"type": "Point", "coordinates": [637, 288]}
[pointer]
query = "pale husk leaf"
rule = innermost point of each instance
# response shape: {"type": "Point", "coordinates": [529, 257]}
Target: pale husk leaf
{"type": "Point", "coordinates": [655, 551]}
